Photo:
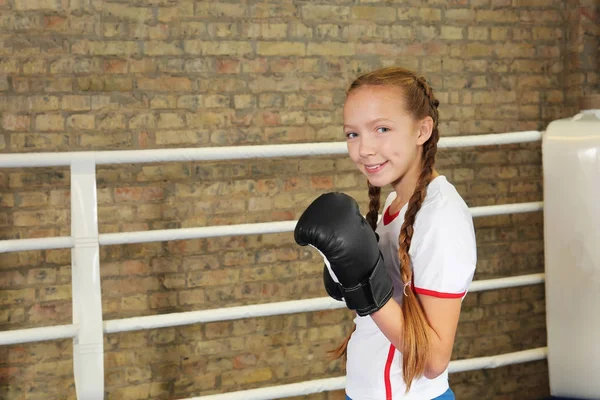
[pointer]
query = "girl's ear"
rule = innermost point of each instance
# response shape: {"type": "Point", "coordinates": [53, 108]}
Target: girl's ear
{"type": "Point", "coordinates": [425, 129]}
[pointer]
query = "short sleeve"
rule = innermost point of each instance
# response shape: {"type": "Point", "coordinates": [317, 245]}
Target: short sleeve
{"type": "Point", "coordinates": [443, 251]}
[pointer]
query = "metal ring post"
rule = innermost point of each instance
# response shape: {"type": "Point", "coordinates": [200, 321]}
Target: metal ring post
{"type": "Point", "coordinates": [88, 345]}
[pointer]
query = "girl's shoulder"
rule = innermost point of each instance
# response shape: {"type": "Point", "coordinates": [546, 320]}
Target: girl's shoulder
{"type": "Point", "coordinates": [440, 194]}
{"type": "Point", "coordinates": [443, 198]}
{"type": "Point", "coordinates": [442, 205]}
{"type": "Point", "coordinates": [444, 220]}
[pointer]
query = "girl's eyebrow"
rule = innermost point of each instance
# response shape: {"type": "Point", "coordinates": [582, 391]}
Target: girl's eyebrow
{"type": "Point", "coordinates": [377, 120]}
{"type": "Point", "coordinates": [373, 122]}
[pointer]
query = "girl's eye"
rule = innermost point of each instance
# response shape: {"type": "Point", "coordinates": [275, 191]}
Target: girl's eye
{"type": "Point", "coordinates": [351, 135]}
{"type": "Point", "coordinates": [383, 129]}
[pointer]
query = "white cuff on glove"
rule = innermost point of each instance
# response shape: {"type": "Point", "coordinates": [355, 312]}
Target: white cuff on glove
{"type": "Point", "coordinates": [326, 261]}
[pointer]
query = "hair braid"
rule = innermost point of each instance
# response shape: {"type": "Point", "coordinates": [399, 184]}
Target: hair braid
{"type": "Point", "coordinates": [416, 331]}
{"type": "Point", "coordinates": [433, 102]}
{"type": "Point", "coordinates": [416, 327]}
{"type": "Point", "coordinates": [374, 204]}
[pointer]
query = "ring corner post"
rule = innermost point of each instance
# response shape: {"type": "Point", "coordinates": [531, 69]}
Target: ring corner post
{"type": "Point", "coordinates": [88, 345]}
{"type": "Point", "coordinates": [571, 169]}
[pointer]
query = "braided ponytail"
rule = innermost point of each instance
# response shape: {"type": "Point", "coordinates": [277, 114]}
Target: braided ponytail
{"type": "Point", "coordinates": [374, 200]}
{"type": "Point", "coordinates": [416, 328]}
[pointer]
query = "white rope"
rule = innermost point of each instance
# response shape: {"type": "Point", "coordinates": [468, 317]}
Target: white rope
{"type": "Point", "coordinates": [64, 242]}
{"type": "Point", "coordinates": [278, 308]}
{"type": "Point", "coordinates": [501, 360]}
{"type": "Point", "coordinates": [338, 383]}
{"type": "Point", "coordinates": [239, 152]}
{"type": "Point", "coordinates": [503, 283]}
{"type": "Point", "coordinates": [282, 391]}
{"type": "Point", "coordinates": [492, 139]}
{"type": "Point", "coordinates": [221, 314]}
{"type": "Point", "coordinates": [38, 334]}
{"type": "Point", "coordinates": [162, 235]}
{"type": "Point", "coordinates": [270, 227]}
{"type": "Point", "coordinates": [502, 209]}
{"type": "Point", "coordinates": [225, 314]}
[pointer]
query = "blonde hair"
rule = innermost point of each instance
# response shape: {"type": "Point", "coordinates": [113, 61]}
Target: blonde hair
{"type": "Point", "coordinates": [420, 102]}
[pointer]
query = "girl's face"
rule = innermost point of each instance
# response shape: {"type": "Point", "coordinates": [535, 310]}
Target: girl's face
{"type": "Point", "coordinates": [383, 140]}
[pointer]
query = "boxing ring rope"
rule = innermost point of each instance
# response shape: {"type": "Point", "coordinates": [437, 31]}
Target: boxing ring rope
{"type": "Point", "coordinates": [162, 235]}
{"type": "Point", "coordinates": [225, 314]}
{"type": "Point", "coordinates": [229, 313]}
{"type": "Point", "coordinates": [279, 308]}
{"type": "Point", "coordinates": [88, 327]}
{"type": "Point", "coordinates": [240, 152]}
{"type": "Point", "coordinates": [328, 384]}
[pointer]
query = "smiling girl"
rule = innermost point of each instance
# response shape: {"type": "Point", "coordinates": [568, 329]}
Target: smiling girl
{"type": "Point", "coordinates": [406, 275]}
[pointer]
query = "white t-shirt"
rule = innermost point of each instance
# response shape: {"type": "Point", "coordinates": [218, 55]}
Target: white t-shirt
{"type": "Point", "coordinates": [443, 254]}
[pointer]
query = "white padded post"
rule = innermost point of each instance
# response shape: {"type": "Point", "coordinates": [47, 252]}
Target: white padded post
{"type": "Point", "coordinates": [571, 164]}
{"type": "Point", "coordinates": [88, 345]}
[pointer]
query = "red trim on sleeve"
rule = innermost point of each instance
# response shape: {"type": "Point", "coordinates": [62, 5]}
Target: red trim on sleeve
{"type": "Point", "coordinates": [439, 294]}
{"type": "Point", "coordinates": [387, 218]}
{"type": "Point", "coordinates": [386, 373]}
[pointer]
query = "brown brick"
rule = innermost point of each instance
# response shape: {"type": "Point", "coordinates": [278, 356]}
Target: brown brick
{"type": "Point", "coordinates": [23, 5]}
{"type": "Point", "coordinates": [479, 50]}
{"type": "Point", "coordinates": [499, 16]}
{"type": "Point", "coordinates": [76, 103]}
{"type": "Point", "coordinates": [199, 47]}
{"type": "Point", "coordinates": [464, 15]}
{"type": "Point", "coordinates": [35, 141]}
{"type": "Point", "coordinates": [4, 85]}
{"type": "Point", "coordinates": [430, 14]}
{"type": "Point", "coordinates": [247, 376]}
{"type": "Point", "coordinates": [325, 13]}
{"type": "Point", "coordinates": [155, 48]}
{"type": "Point", "coordinates": [16, 122]}
{"type": "Point", "coordinates": [176, 13]}
{"type": "Point", "coordinates": [499, 33]}
{"type": "Point", "coordinates": [165, 84]}
{"type": "Point", "coordinates": [370, 13]}
{"type": "Point", "coordinates": [281, 49]}
{"type": "Point", "coordinates": [191, 297]}
{"type": "Point", "coordinates": [113, 48]}
{"type": "Point", "coordinates": [478, 33]}
{"type": "Point", "coordinates": [407, 13]}
{"type": "Point", "coordinates": [335, 49]}
{"type": "Point", "coordinates": [35, 67]}
{"type": "Point", "coordinates": [55, 293]}
{"type": "Point", "coordinates": [18, 296]}
{"type": "Point", "coordinates": [81, 122]}
{"type": "Point", "coordinates": [126, 12]}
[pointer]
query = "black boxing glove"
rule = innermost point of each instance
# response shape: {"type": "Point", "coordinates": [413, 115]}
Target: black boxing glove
{"type": "Point", "coordinates": [333, 288]}
{"type": "Point", "coordinates": [334, 226]}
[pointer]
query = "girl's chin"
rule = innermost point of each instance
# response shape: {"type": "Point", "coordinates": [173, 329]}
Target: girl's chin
{"type": "Point", "coordinates": [378, 181]}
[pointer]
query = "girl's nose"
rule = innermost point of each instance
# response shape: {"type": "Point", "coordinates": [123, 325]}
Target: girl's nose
{"type": "Point", "coordinates": [366, 148]}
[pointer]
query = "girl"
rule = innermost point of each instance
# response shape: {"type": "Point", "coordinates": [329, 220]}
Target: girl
{"type": "Point", "coordinates": [405, 276]}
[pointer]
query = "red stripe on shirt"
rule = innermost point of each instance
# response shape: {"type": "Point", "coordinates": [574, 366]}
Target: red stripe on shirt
{"type": "Point", "coordinates": [386, 373]}
{"type": "Point", "coordinates": [439, 294]}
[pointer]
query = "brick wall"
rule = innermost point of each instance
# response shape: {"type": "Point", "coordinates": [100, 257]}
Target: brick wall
{"type": "Point", "coordinates": [93, 74]}
{"type": "Point", "coordinates": [583, 56]}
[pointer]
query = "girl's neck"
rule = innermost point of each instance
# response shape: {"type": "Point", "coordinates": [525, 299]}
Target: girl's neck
{"type": "Point", "coordinates": [404, 188]}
